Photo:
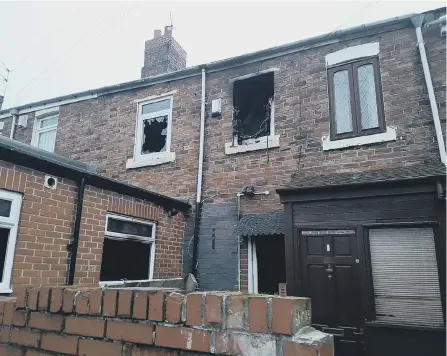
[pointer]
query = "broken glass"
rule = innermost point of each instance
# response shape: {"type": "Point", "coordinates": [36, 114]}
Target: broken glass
{"type": "Point", "coordinates": [155, 133]}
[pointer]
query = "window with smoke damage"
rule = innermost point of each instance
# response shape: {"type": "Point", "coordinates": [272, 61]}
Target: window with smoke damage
{"type": "Point", "coordinates": [253, 107]}
{"type": "Point", "coordinates": [128, 250]}
{"type": "Point", "coordinates": [153, 133]}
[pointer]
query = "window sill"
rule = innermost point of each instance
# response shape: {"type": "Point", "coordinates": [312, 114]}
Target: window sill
{"type": "Point", "coordinates": [388, 135]}
{"type": "Point", "coordinates": [151, 160]}
{"type": "Point", "coordinates": [258, 144]}
{"type": "Point", "coordinates": [6, 291]}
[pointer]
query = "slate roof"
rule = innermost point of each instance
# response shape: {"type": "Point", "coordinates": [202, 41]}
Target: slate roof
{"type": "Point", "coordinates": [271, 223]}
{"type": "Point", "coordinates": [418, 171]}
{"type": "Point", "coordinates": [35, 158]}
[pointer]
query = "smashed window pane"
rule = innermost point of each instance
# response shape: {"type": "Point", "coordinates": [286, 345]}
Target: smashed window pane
{"type": "Point", "coordinates": [252, 99]}
{"type": "Point", "coordinates": [155, 133]}
{"type": "Point", "coordinates": [156, 106]}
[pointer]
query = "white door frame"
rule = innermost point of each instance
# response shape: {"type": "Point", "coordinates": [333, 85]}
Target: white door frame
{"type": "Point", "coordinates": [252, 266]}
{"type": "Point", "coordinates": [12, 223]}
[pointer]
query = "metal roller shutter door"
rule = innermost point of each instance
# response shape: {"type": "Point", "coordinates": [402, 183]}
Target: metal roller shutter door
{"type": "Point", "coordinates": [405, 276]}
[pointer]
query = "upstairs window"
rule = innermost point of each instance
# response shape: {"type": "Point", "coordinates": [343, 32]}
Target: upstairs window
{"type": "Point", "coordinates": [253, 107]}
{"type": "Point", "coordinates": [355, 96]}
{"type": "Point", "coordinates": [44, 136]}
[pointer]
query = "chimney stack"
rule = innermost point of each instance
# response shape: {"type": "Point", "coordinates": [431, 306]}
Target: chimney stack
{"type": "Point", "coordinates": [162, 54]}
{"type": "Point", "coordinates": [1, 101]}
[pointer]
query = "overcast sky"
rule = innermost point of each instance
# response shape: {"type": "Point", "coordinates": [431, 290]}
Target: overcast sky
{"type": "Point", "coordinates": [58, 48]}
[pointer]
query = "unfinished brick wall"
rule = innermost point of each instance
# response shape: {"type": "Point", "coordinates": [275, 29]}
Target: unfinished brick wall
{"type": "Point", "coordinates": [46, 229]}
{"type": "Point", "coordinates": [131, 322]}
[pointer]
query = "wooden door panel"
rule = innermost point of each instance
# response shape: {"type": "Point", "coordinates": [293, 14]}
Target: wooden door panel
{"type": "Point", "coordinates": [321, 294]}
{"type": "Point", "coordinates": [330, 277]}
{"type": "Point", "coordinates": [348, 299]}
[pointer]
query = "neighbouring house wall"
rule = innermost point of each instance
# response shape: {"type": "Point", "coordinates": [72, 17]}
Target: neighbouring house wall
{"type": "Point", "coordinates": [46, 229]}
{"type": "Point", "coordinates": [435, 47]}
{"type": "Point", "coordinates": [22, 134]}
{"type": "Point", "coordinates": [135, 322]}
{"type": "Point", "coordinates": [102, 131]}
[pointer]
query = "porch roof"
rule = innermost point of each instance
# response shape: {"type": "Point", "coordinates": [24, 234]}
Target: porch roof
{"type": "Point", "coordinates": [271, 223]}
{"type": "Point", "coordinates": [414, 172]}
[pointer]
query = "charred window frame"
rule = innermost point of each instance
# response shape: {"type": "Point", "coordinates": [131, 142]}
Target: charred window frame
{"type": "Point", "coordinates": [154, 127]}
{"type": "Point", "coordinates": [253, 108]}
{"type": "Point", "coordinates": [139, 234]}
{"type": "Point", "coordinates": [355, 98]}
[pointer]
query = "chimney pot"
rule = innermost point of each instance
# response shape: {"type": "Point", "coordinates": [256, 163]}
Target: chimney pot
{"type": "Point", "coordinates": [168, 30]}
{"type": "Point", "coordinates": [157, 33]}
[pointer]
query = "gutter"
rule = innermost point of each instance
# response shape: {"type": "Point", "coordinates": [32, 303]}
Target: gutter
{"type": "Point", "coordinates": [40, 160]}
{"type": "Point", "coordinates": [417, 21]}
{"type": "Point", "coordinates": [76, 229]}
{"type": "Point", "coordinates": [199, 180]}
{"type": "Point", "coordinates": [258, 56]}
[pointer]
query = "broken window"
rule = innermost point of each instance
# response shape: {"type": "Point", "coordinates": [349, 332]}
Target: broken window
{"type": "Point", "coordinates": [128, 251]}
{"type": "Point", "coordinates": [153, 131]}
{"type": "Point", "coordinates": [252, 101]}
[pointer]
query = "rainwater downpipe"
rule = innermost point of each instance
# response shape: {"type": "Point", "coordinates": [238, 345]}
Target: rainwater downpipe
{"type": "Point", "coordinates": [77, 226]}
{"type": "Point", "coordinates": [14, 113]}
{"type": "Point", "coordinates": [417, 21]}
{"type": "Point", "coordinates": [199, 180]}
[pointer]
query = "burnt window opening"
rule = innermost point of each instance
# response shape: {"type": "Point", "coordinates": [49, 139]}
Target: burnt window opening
{"type": "Point", "coordinates": [125, 259]}
{"type": "Point", "coordinates": [155, 134]}
{"type": "Point", "coordinates": [128, 249]}
{"type": "Point", "coordinates": [252, 104]}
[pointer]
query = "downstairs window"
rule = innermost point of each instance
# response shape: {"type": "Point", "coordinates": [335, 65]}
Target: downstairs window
{"type": "Point", "coordinates": [405, 276]}
{"type": "Point", "coordinates": [128, 252]}
{"type": "Point", "coordinates": [10, 203]}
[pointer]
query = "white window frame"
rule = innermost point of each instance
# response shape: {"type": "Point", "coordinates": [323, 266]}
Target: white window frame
{"type": "Point", "coordinates": [37, 130]}
{"type": "Point", "coordinates": [121, 237]}
{"type": "Point", "coordinates": [154, 158]}
{"type": "Point", "coordinates": [11, 223]}
{"type": "Point", "coordinates": [252, 266]}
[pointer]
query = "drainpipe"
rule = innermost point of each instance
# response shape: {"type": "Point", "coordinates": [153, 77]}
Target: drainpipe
{"type": "Point", "coordinates": [199, 180]}
{"type": "Point", "coordinates": [417, 21]}
{"type": "Point", "coordinates": [77, 226]}
{"type": "Point", "coordinates": [14, 113]}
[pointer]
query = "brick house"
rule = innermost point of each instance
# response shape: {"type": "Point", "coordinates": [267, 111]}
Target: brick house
{"type": "Point", "coordinates": [62, 223]}
{"type": "Point", "coordinates": [350, 122]}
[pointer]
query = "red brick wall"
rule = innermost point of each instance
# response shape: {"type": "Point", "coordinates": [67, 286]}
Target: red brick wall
{"type": "Point", "coordinates": [134, 322]}
{"type": "Point", "coordinates": [102, 130]}
{"type": "Point", "coordinates": [46, 228]}
{"type": "Point", "coordinates": [435, 47]}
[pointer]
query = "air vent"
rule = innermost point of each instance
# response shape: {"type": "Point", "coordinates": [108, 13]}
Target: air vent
{"type": "Point", "coordinates": [50, 182]}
